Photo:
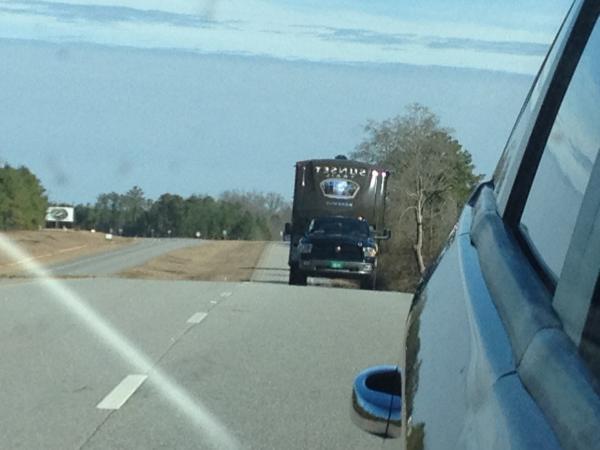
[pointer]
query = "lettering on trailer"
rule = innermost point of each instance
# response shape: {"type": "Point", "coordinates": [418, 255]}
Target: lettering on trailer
{"type": "Point", "coordinates": [343, 172]}
{"type": "Point", "coordinates": [340, 204]}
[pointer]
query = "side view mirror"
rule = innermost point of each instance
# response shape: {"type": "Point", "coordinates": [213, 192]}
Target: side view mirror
{"type": "Point", "coordinates": [377, 401]}
{"type": "Point", "coordinates": [387, 234]}
{"type": "Point", "coordinates": [287, 231]}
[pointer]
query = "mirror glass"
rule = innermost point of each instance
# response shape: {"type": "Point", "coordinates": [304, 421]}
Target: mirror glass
{"type": "Point", "coordinates": [377, 400]}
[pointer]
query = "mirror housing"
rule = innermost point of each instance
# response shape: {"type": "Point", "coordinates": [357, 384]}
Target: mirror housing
{"type": "Point", "coordinates": [287, 231]}
{"type": "Point", "coordinates": [377, 401]}
{"type": "Point", "coordinates": [387, 234]}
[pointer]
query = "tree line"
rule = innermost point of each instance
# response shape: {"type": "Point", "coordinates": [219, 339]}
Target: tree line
{"type": "Point", "coordinates": [23, 200]}
{"type": "Point", "coordinates": [234, 215]}
{"type": "Point", "coordinates": [432, 177]}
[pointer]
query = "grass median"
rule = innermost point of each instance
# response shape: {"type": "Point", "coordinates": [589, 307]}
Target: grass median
{"type": "Point", "coordinates": [210, 261]}
{"type": "Point", "coordinates": [52, 246]}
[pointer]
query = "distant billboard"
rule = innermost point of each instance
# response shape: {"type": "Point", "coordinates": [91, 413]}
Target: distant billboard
{"type": "Point", "coordinates": [63, 214]}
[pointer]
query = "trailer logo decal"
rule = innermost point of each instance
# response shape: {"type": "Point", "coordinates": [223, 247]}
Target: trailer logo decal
{"type": "Point", "coordinates": [339, 188]}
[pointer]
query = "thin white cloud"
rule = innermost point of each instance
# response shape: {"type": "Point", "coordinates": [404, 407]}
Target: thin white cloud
{"type": "Point", "coordinates": [258, 27]}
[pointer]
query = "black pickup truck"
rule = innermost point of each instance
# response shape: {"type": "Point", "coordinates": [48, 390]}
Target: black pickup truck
{"type": "Point", "coordinates": [337, 219]}
{"type": "Point", "coordinates": [341, 247]}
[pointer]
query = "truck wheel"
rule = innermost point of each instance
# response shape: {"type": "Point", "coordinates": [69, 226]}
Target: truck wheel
{"type": "Point", "coordinates": [297, 277]}
{"type": "Point", "coordinates": [369, 283]}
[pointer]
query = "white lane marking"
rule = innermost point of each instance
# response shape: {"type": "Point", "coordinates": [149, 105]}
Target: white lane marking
{"type": "Point", "coordinates": [214, 302]}
{"type": "Point", "coordinates": [226, 294]}
{"type": "Point", "coordinates": [197, 318]}
{"type": "Point", "coordinates": [121, 393]}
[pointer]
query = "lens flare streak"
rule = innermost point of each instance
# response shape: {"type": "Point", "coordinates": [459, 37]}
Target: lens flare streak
{"type": "Point", "coordinates": [195, 411]}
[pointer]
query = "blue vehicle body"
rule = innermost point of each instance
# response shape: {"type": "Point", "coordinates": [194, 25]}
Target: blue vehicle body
{"type": "Point", "coordinates": [502, 346]}
{"type": "Point", "coordinates": [462, 389]}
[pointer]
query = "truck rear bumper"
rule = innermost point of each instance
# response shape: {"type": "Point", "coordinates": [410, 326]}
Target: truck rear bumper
{"type": "Point", "coordinates": [336, 269]}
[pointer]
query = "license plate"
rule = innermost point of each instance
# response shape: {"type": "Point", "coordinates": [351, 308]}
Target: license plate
{"type": "Point", "coordinates": [336, 265]}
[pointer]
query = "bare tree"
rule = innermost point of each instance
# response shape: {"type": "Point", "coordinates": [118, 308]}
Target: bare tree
{"type": "Point", "coordinates": [430, 169]}
{"type": "Point", "coordinates": [271, 205]}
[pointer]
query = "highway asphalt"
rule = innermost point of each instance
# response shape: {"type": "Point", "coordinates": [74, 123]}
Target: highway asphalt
{"type": "Point", "coordinates": [112, 262]}
{"type": "Point", "coordinates": [272, 266]}
{"type": "Point", "coordinates": [188, 364]}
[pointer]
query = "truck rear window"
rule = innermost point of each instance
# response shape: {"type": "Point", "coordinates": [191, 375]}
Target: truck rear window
{"type": "Point", "coordinates": [339, 226]}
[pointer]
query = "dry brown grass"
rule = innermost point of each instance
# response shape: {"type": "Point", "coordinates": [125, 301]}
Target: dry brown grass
{"type": "Point", "coordinates": [50, 246]}
{"type": "Point", "coordinates": [211, 261]}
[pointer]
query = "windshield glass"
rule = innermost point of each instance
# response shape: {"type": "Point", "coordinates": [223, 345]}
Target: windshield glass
{"type": "Point", "coordinates": [344, 226]}
{"type": "Point", "coordinates": [152, 292]}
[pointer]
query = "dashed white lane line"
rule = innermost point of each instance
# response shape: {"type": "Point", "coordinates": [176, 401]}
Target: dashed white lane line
{"type": "Point", "coordinates": [226, 294]}
{"type": "Point", "coordinates": [197, 318]}
{"type": "Point", "coordinates": [214, 302]}
{"type": "Point", "coordinates": [121, 393]}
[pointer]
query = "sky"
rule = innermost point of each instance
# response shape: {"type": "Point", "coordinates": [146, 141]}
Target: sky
{"type": "Point", "coordinates": [200, 97]}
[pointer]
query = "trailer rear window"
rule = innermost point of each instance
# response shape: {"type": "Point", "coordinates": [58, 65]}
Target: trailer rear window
{"type": "Point", "coordinates": [339, 188]}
